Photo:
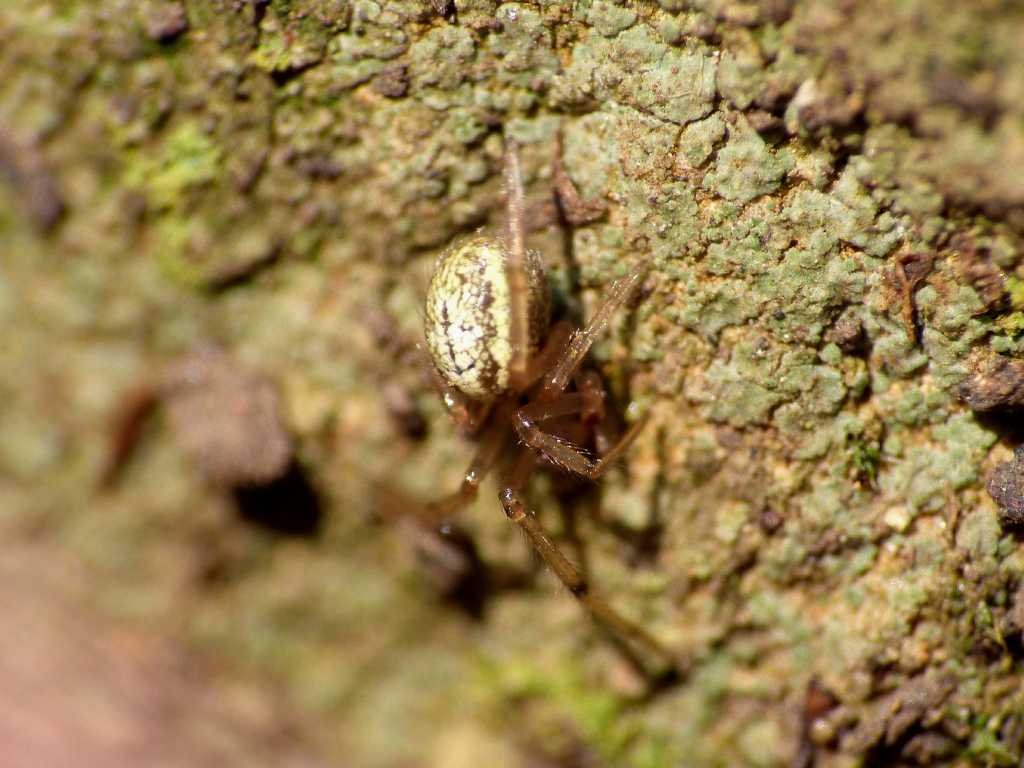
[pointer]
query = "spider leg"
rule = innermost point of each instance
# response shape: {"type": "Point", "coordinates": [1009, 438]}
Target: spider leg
{"type": "Point", "coordinates": [449, 554]}
{"type": "Point", "coordinates": [618, 293]}
{"type": "Point", "coordinates": [468, 414]}
{"type": "Point", "coordinates": [515, 268]}
{"type": "Point", "coordinates": [542, 362]}
{"type": "Point", "coordinates": [552, 401]}
{"type": "Point", "coordinates": [604, 422]}
{"type": "Point", "coordinates": [487, 454]}
{"type": "Point", "coordinates": [446, 554]}
{"type": "Point", "coordinates": [588, 383]}
{"type": "Point", "coordinates": [574, 208]}
{"type": "Point", "coordinates": [559, 451]}
{"type": "Point", "coordinates": [127, 429]}
{"type": "Point", "coordinates": [631, 638]}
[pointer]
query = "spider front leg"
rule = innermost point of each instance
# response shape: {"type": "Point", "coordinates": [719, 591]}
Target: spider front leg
{"type": "Point", "coordinates": [468, 415]}
{"type": "Point", "coordinates": [562, 452]}
{"type": "Point", "coordinates": [637, 644]}
{"type": "Point", "coordinates": [575, 209]}
{"type": "Point", "coordinates": [515, 270]}
{"type": "Point", "coordinates": [606, 426]}
{"type": "Point", "coordinates": [556, 380]}
{"type": "Point", "coordinates": [487, 454]}
{"type": "Point", "coordinates": [552, 402]}
{"type": "Point", "coordinates": [449, 554]}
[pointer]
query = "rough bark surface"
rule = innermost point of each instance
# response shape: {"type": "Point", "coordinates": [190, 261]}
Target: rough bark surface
{"type": "Point", "coordinates": [831, 198]}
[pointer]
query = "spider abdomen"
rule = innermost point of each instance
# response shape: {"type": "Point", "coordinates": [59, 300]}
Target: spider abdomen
{"type": "Point", "coordinates": [468, 319]}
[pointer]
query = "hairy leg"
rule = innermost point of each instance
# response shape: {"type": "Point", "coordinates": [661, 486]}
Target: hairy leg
{"type": "Point", "coordinates": [562, 371]}
{"type": "Point", "coordinates": [560, 451]}
{"type": "Point", "coordinates": [640, 646]}
{"type": "Point", "coordinates": [468, 414]}
{"type": "Point", "coordinates": [518, 289]}
{"type": "Point", "coordinates": [487, 454]}
{"type": "Point", "coordinates": [126, 430]}
{"type": "Point", "coordinates": [448, 553]}
{"type": "Point", "coordinates": [604, 423]}
{"type": "Point", "coordinates": [549, 354]}
{"type": "Point", "coordinates": [574, 208]}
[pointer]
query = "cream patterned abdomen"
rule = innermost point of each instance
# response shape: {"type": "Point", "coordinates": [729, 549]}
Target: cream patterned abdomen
{"type": "Point", "coordinates": [467, 316]}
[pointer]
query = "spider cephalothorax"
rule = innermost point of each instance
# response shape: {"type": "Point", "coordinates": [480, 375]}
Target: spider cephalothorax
{"type": "Point", "coordinates": [507, 375]}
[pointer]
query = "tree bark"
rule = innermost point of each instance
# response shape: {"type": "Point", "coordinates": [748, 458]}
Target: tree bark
{"type": "Point", "coordinates": [831, 200]}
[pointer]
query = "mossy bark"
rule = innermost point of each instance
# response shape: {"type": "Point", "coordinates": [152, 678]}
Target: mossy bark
{"type": "Point", "coordinates": [831, 198]}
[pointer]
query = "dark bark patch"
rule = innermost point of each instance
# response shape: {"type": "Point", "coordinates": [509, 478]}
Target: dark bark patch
{"type": "Point", "coordinates": [978, 269]}
{"type": "Point", "coordinates": [996, 385]}
{"type": "Point", "coordinates": [848, 333]}
{"type": "Point", "coordinates": [892, 716]}
{"type": "Point", "coordinates": [911, 269]}
{"type": "Point", "coordinates": [392, 82]}
{"type": "Point", "coordinates": [36, 187]}
{"type": "Point", "coordinates": [164, 22]}
{"type": "Point", "coordinates": [1006, 487]}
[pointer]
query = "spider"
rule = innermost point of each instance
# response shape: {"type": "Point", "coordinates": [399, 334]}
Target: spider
{"type": "Point", "coordinates": [504, 372]}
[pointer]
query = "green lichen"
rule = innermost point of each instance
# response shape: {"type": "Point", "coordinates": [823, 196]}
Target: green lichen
{"type": "Point", "coordinates": [745, 168]}
{"type": "Point", "coordinates": [636, 69]}
{"type": "Point", "coordinates": [292, 42]}
{"type": "Point", "coordinates": [1015, 289]}
{"type": "Point", "coordinates": [186, 160]}
{"type": "Point", "coordinates": [609, 19]}
{"type": "Point", "coordinates": [927, 476]}
{"type": "Point", "coordinates": [699, 139]}
{"type": "Point", "coordinates": [807, 497]}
